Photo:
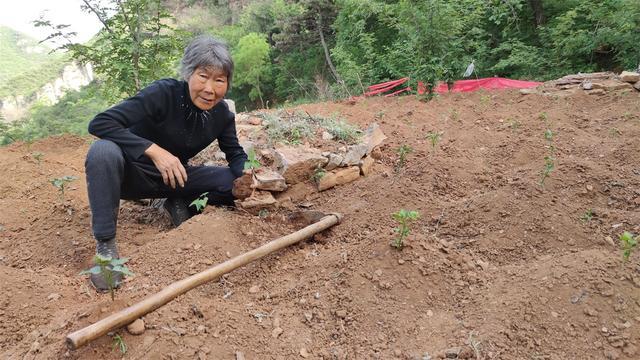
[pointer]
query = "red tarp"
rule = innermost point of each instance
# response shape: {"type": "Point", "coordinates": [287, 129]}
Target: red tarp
{"type": "Point", "coordinates": [486, 83]}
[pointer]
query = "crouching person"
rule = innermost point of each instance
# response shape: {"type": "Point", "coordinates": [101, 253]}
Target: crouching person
{"type": "Point", "coordinates": [146, 141]}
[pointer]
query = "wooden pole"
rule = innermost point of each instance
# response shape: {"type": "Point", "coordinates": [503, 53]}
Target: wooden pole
{"type": "Point", "coordinates": [152, 302]}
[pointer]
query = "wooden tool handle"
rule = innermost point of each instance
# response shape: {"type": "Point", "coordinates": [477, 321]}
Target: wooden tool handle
{"type": "Point", "coordinates": [152, 302]}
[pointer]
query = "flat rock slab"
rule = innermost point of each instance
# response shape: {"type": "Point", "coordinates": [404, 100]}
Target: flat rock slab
{"type": "Point", "coordinates": [298, 164]}
{"type": "Point", "coordinates": [630, 77]}
{"type": "Point", "coordinates": [267, 179]}
{"type": "Point", "coordinates": [373, 137]}
{"type": "Point", "coordinates": [610, 85]}
{"type": "Point", "coordinates": [259, 200]}
{"type": "Point", "coordinates": [339, 177]}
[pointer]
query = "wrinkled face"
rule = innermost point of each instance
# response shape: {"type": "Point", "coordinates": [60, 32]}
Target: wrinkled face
{"type": "Point", "coordinates": [207, 87]}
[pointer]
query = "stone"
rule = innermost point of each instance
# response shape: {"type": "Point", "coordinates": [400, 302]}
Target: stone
{"type": "Point", "coordinates": [298, 164]}
{"type": "Point", "coordinates": [253, 120]}
{"type": "Point", "coordinates": [366, 165]}
{"type": "Point", "coordinates": [304, 353]}
{"type": "Point", "coordinates": [136, 327]}
{"type": "Point", "coordinates": [354, 154]}
{"type": "Point", "coordinates": [596, 92]}
{"type": "Point", "coordinates": [609, 240]}
{"type": "Point", "coordinates": [590, 311]}
{"type": "Point", "coordinates": [334, 161]}
{"type": "Point", "coordinates": [327, 181]}
{"type": "Point", "coordinates": [347, 175]}
{"type": "Point", "coordinates": [341, 314]}
{"type": "Point", "coordinates": [452, 353]}
{"type": "Point", "coordinates": [259, 200]}
{"type": "Point", "coordinates": [243, 186]}
{"type": "Point", "coordinates": [254, 289]}
{"type": "Point", "coordinates": [630, 77]}
{"type": "Point", "coordinates": [611, 85]}
{"type": "Point", "coordinates": [327, 135]}
{"type": "Point", "coordinates": [637, 86]}
{"type": "Point", "coordinates": [240, 355]}
{"type": "Point", "coordinates": [231, 104]}
{"type": "Point", "coordinates": [276, 332]}
{"type": "Point", "coordinates": [373, 137]}
{"type": "Point", "coordinates": [267, 179]}
{"type": "Point", "coordinates": [54, 297]}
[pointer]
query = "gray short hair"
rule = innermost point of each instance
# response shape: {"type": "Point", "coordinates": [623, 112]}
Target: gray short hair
{"type": "Point", "coordinates": [206, 51]}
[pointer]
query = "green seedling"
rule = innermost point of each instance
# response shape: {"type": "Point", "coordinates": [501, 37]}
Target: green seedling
{"type": "Point", "coordinates": [118, 343]}
{"type": "Point", "coordinates": [379, 115]}
{"type": "Point", "coordinates": [263, 213]}
{"type": "Point", "coordinates": [587, 216]}
{"type": "Point", "coordinates": [404, 218]}
{"type": "Point", "coordinates": [548, 135]}
{"type": "Point", "coordinates": [514, 124]}
{"type": "Point", "coordinates": [403, 151]}
{"type": "Point", "coordinates": [61, 183]}
{"type": "Point", "coordinates": [614, 132]}
{"type": "Point", "coordinates": [108, 267]}
{"type": "Point", "coordinates": [543, 116]}
{"type": "Point", "coordinates": [484, 99]}
{"type": "Point", "coordinates": [201, 202]}
{"type": "Point", "coordinates": [548, 168]}
{"type": "Point", "coordinates": [37, 156]}
{"type": "Point", "coordinates": [455, 115]}
{"type": "Point", "coordinates": [629, 243]}
{"type": "Point", "coordinates": [434, 138]}
{"type": "Point", "coordinates": [318, 174]}
{"type": "Point", "coordinates": [252, 162]}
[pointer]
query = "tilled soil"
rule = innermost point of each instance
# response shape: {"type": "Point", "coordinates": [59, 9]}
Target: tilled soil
{"type": "Point", "coordinates": [496, 267]}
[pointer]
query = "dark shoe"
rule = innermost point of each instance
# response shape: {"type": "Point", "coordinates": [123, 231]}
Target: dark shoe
{"type": "Point", "coordinates": [178, 210]}
{"type": "Point", "coordinates": [106, 249]}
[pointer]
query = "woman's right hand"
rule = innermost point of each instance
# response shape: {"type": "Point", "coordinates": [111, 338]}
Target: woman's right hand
{"type": "Point", "coordinates": [169, 166]}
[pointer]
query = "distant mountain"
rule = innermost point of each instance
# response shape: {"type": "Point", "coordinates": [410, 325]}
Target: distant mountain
{"type": "Point", "coordinates": [29, 72]}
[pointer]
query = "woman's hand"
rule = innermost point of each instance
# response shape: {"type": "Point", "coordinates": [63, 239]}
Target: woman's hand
{"type": "Point", "coordinates": [169, 166]}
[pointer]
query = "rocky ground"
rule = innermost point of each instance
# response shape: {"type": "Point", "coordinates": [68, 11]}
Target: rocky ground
{"type": "Point", "coordinates": [496, 267]}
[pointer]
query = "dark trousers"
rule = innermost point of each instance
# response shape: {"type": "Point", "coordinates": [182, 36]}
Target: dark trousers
{"type": "Point", "coordinates": [111, 177]}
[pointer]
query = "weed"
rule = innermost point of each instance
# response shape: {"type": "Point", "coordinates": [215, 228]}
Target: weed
{"type": "Point", "coordinates": [404, 218]}
{"type": "Point", "coordinates": [263, 213]}
{"type": "Point", "coordinates": [514, 124]}
{"type": "Point", "coordinates": [108, 267]}
{"type": "Point", "coordinates": [614, 132]}
{"type": "Point", "coordinates": [455, 115]}
{"type": "Point", "coordinates": [318, 174]}
{"type": "Point", "coordinates": [629, 243]}
{"type": "Point", "coordinates": [252, 162]}
{"type": "Point", "coordinates": [484, 99]}
{"type": "Point", "coordinates": [549, 160]}
{"type": "Point", "coordinates": [543, 116]}
{"type": "Point", "coordinates": [288, 128]}
{"type": "Point", "coordinates": [341, 130]}
{"type": "Point", "coordinates": [434, 138]}
{"type": "Point", "coordinates": [548, 135]}
{"type": "Point", "coordinates": [118, 343]}
{"type": "Point", "coordinates": [61, 183]}
{"type": "Point", "coordinates": [379, 115]}
{"type": "Point", "coordinates": [201, 202]}
{"type": "Point", "coordinates": [37, 156]}
{"type": "Point", "coordinates": [587, 216]}
{"type": "Point", "coordinates": [403, 151]}
{"type": "Point", "coordinates": [627, 115]}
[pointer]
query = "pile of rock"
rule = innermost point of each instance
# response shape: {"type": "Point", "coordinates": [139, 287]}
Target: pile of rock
{"type": "Point", "coordinates": [287, 166]}
{"type": "Point", "coordinates": [592, 83]}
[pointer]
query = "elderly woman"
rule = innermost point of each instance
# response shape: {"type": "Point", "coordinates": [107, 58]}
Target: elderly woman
{"type": "Point", "coordinates": [146, 141]}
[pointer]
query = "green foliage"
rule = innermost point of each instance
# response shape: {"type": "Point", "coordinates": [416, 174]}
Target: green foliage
{"type": "Point", "coordinates": [628, 242]}
{"type": "Point", "coordinates": [60, 183]}
{"type": "Point", "coordinates": [37, 156]}
{"type": "Point", "coordinates": [251, 57]}
{"type": "Point", "coordinates": [404, 219]}
{"type": "Point", "coordinates": [402, 151]}
{"type": "Point", "coordinates": [252, 162]}
{"type": "Point", "coordinates": [341, 130]}
{"type": "Point", "coordinates": [135, 47]}
{"type": "Point", "coordinates": [549, 160]}
{"type": "Point", "coordinates": [118, 343]}
{"type": "Point", "coordinates": [201, 202]}
{"type": "Point", "coordinates": [318, 174]}
{"type": "Point", "coordinates": [283, 126]}
{"type": "Point", "coordinates": [108, 267]}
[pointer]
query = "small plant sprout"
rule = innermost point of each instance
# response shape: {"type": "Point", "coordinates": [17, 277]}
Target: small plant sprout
{"type": "Point", "coordinates": [455, 115]}
{"type": "Point", "coordinates": [108, 267]}
{"type": "Point", "coordinates": [403, 151]}
{"type": "Point", "coordinates": [252, 162]}
{"type": "Point", "coordinates": [61, 183]}
{"type": "Point", "coordinates": [614, 132]}
{"type": "Point", "coordinates": [543, 116]}
{"type": "Point", "coordinates": [434, 138]}
{"type": "Point", "coordinates": [201, 202]}
{"type": "Point", "coordinates": [546, 171]}
{"type": "Point", "coordinates": [587, 216]}
{"type": "Point", "coordinates": [118, 343]}
{"type": "Point", "coordinates": [318, 174]}
{"type": "Point", "coordinates": [404, 218]}
{"type": "Point", "coordinates": [629, 243]}
{"type": "Point", "coordinates": [37, 156]}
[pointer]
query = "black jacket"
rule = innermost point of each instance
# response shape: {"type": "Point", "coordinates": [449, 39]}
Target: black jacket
{"type": "Point", "coordinates": [163, 113]}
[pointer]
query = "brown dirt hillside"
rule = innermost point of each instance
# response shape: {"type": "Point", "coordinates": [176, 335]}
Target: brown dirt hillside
{"type": "Point", "coordinates": [496, 267]}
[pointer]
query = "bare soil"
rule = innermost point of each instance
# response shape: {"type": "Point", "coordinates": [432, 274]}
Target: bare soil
{"type": "Point", "coordinates": [496, 267]}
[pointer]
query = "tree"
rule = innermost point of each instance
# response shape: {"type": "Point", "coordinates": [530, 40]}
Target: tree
{"type": "Point", "coordinates": [251, 57]}
{"type": "Point", "coordinates": [135, 46]}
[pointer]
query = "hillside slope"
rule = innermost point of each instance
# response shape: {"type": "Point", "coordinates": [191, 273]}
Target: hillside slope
{"type": "Point", "coordinates": [497, 267]}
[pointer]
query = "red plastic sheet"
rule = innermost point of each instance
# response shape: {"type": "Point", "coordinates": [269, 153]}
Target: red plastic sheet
{"type": "Point", "coordinates": [486, 83]}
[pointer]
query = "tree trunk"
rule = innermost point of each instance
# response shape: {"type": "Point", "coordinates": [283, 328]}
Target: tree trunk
{"type": "Point", "coordinates": [326, 50]}
{"type": "Point", "coordinates": [538, 12]}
